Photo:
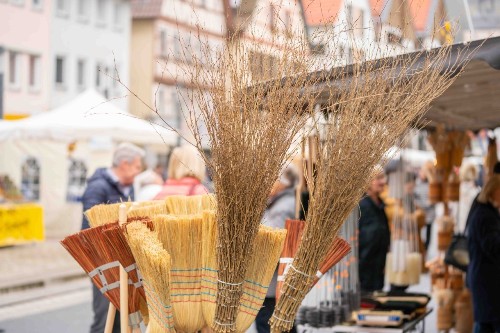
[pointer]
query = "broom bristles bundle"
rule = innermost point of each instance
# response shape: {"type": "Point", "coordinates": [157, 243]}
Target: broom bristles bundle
{"type": "Point", "coordinates": [104, 213]}
{"type": "Point", "coordinates": [293, 236]}
{"type": "Point", "coordinates": [339, 249]}
{"type": "Point", "coordinates": [187, 205]}
{"type": "Point", "coordinates": [267, 248]}
{"type": "Point", "coordinates": [181, 236]}
{"type": "Point", "coordinates": [250, 130]}
{"type": "Point", "coordinates": [154, 263]}
{"type": "Point", "coordinates": [373, 105]}
{"type": "Point", "coordinates": [121, 251]}
{"type": "Point", "coordinates": [89, 249]}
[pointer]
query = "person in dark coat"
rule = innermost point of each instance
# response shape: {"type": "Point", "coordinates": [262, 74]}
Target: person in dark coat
{"type": "Point", "coordinates": [374, 236]}
{"type": "Point", "coordinates": [483, 272]}
{"type": "Point", "coordinates": [111, 185]}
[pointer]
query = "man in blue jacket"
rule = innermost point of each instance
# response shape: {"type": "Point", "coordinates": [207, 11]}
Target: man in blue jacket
{"type": "Point", "coordinates": [111, 185]}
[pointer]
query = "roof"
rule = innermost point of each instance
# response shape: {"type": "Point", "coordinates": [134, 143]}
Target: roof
{"type": "Point", "coordinates": [146, 8]}
{"type": "Point", "coordinates": [472, 101]}
{"type": "Point", "coordinates": [420, 11]}
{"type": "Point", "coordinates": [319, 12]}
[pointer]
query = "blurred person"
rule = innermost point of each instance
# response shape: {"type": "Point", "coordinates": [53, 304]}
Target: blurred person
{"type": "Point", "coordinates": [186, 171]}
{"type": "Point", "coordinates": [468, 193]}
{"type": "Point", "coordinates": [374, 235]}
{"type": "Point", "coordinates": [149, 185]}
{"type": "Point", "coordinates": [111, 185]}
{"type": "Point", "coordinates": [280, 207]}
{"type": "Point", "coordinates": [422, 199]}
{"type": "Point", "coordinates": [483, 271]}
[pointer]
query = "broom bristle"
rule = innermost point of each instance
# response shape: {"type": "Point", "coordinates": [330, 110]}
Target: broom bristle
{"type": "Point", "coordinates": [155, 264]}
{"type": "Point", "coordinates": [104, 213]}
{"type": "Point", "coordinates": [89, 249]}
{"type": "Point", "coordinates": [150, 210]}
{"type": "Point", "coordinates": [181, 236]}
{"type": "Point", "coordinates": [121, 251]}
{"type": "Point", "coordinates": [293, 236]}
{"type": "Point", "coordinates": [339, 249]}
{"type": "Point", "coordinates": [267, 248]}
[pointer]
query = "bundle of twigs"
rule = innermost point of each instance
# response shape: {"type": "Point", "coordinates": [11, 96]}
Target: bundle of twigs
{"type": "Point", "coordinates": [154, 263]}
{"type": "Point", "coordinates": [372, 105]}
{"type": "Point", "coordinates": [250, 130]}
{"type": "Point", "coordinates": [267, 248]}
{"type": "Point", "coordinates": [338, 250]}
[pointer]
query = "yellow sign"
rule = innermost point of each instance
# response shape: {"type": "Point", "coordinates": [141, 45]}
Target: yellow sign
{"type": "Point", "coordinates": [21, 223]}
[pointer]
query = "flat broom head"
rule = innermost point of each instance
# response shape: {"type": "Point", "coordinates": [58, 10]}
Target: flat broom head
{"type": "Point", "coordinates": [181, 236]}
{"type": "Point", "coordinates": [154, 263]}
{"type": "Point", "coordinates": [89, 249]}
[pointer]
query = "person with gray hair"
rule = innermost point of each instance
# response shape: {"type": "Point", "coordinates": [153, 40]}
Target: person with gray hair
{"type": "Point", "coordinates": [280, 207]}
{"type": "Point", "coordinates": [111, 185]}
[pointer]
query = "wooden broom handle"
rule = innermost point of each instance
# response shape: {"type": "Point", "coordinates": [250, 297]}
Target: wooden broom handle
{"type": "Point", "coordinates": [110, 319]}
{"type": "Point", "coordinates": [124, 327]}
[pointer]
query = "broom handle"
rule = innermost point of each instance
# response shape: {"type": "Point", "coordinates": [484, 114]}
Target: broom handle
{"type": "Point", "coordinates": [110, 319]}
{"type": "Point", "coordinates": [122, 218]}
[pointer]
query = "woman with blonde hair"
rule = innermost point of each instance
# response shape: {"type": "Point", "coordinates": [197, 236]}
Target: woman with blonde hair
{"type": "Point", "coordinates": [483, 272]}
{"type": "Point", "coordinates": [186, 171]}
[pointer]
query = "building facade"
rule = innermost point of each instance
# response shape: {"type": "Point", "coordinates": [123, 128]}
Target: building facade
{"type": "Point", "coordinates": [55, 49]}
{"type": "Point", "coordinates": [25, 56]}
{"type": "Point", "coordinates": [168, 38]}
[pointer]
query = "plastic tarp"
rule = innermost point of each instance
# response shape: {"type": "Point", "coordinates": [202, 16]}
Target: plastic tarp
{"type": "Point", "coordinates": [88, 115]}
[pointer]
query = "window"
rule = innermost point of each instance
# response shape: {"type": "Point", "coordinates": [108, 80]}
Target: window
{"type": "Point", "coordinates": [98, 78]}
{"type": "Point", "coordinates": [83, 10]}
{"type": "Point", "coordinates": [36, 4]}
{"type": "Point", "coordinates": [62, 8]}
{"type": "Point", "coordinates": [177, 45]}
{"type": "Point", "coordinates": [118, 16]}
{"type": "Point", "coordinates": [30, 183]}
{"type": "Point", "coordinates": [60, 79]}
{"type": "Point", "coordinates": [34, 72]}
{"type": "Point", "coordinates": [101, 12]}
{"type": "Point", "coordinates": [77, 175]}
{"type": "Point", "coordinates": [163, 42]}
{"type": "Point", "coordinates": [14, 69]}
{"type": "Point", "coordinates": [80, 73]}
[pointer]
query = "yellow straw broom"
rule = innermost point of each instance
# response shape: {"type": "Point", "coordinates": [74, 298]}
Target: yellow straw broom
{"type": "Point", "coordinates": [181, 236]}
{"type": "Point", "coordinates": [154, 263]}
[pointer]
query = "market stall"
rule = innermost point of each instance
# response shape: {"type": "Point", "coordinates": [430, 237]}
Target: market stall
{"type": "Point", "coordinates": [49, 156]}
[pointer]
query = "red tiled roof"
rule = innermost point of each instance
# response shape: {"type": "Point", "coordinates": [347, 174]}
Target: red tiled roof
{"type": "Point", "coordinates": [420, 11]}
{"type": "Point", "coordinates": [146, 8]}
{"type": "Point", "coordinates": [318, 12]}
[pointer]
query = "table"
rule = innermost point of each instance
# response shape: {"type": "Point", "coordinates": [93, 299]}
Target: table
{"type": "Point", "coordinates": [415, 325]}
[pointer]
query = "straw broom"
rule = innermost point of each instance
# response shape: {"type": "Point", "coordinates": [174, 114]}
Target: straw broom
{"type": "Point", "coordinates": [185, 205]}
{"type": "Point", "coordinates": [88, 248]}
{"type": "Point", "coordinates": [117, 242]}
{"type": "Point", "coordinates": [267, 248]}
{"type": "Point", "coordinates": [154, 263]}
{"type": "Point", "coordinates": [339, 249]}
{"type": "Point", "coordinates": [293, 236]}
{"type": "Point", "coordinates": [181, 236]}
{"type": "Point", "coordinates": [371, 112]}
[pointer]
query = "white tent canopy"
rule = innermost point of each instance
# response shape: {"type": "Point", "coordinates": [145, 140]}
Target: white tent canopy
{"type": "Point", "coordinates": [88, 115]}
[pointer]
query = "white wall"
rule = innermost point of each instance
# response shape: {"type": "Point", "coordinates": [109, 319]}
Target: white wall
{"type": "Point", "coordinates": [98, 42]}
